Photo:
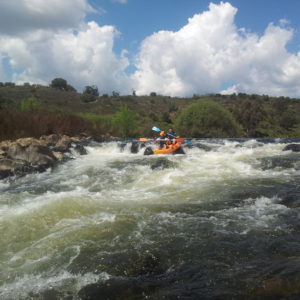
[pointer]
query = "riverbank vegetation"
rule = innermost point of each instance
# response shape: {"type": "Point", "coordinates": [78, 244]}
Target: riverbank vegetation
{"type": "Point", "coordinates": [35, 110]}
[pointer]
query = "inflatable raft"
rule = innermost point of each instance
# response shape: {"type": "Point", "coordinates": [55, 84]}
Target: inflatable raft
{"type": "Point", "coordinates": [171, 149]}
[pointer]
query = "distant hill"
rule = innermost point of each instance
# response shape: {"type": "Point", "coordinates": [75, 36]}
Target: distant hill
{"type": "Point", "coordinates": [259, 116]}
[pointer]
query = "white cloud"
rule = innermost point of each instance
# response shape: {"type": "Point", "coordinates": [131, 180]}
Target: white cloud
{"type": "Point", "coordinates": [82, 58]}
{"type": "Point", "coordinates": [51, 39]}
{"type": "Point", "coordinates": [210, 51]}
{"type": "Point", "coordinates": [18, 16]}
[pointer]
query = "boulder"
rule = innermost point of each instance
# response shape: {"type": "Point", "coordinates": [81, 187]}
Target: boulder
{"type": "Point", "coordinates": [63, 144]}
{"type": "Point", "coordinates": [80, 150]}
{"type": "Point", "coordinates": [148, 151]}
{"type": "Point", "coordinates": [292, 147]}
{"type": "Point", "coordinates": [134, 147]}
{"type": "Point", "coordinates": [50, 140]}
{"type": "Point", "coordinates": [9, 167]}
{"type": "Point", "coordinates": [291, 199]}
{"type": "Point", "coordinates": [27, 155]}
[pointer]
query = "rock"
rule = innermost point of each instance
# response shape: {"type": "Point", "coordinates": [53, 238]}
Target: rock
{"type": "Point", "coordinates": [203, 147]}
{"type": "Point", "coordinates": [148, 151]}
{"type": "Point", "coordinates": [162, 163]}
{"type": "Point", "coordinates": [50, 140]}
{"type": "Point", "coordinates": [179, 151]}
{"type": "Point", "coordinates": [122, 146]}
{"type": "Point", "coordinates": [281, 161]}
{"type": "Point", "coordinates": [63, 144]}
{"type": "Point", "coordinates": [33, 154]}
{"type": "Point", "coordinates": [59, 156]}
{"type": "Point", "coordinates": [9, 167]}
{"type": "Point", "coordinates": [291, 199]}
{"type": "Point", "coordinates": [27, 155]}
{"type": "Point", "coordinates": [134, 147]}
{"type": "Point", "coordinates": [80, 150]}
{"type": "Point", "coordinates": [292, 147]}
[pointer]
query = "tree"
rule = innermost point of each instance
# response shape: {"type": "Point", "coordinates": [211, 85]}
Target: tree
{"type": "Point", "coordinates": [91, 90]}
{"type": "Point", "coordinates": [89, 94]}
{"type": "Point", "coordinates": [207, 119]}
{"type": "Point", "coordinates": [126, 122]}
{"type": "Point", "coordinates": [62, 84]}
{"type": "Point", "coordinates": [59, 83]}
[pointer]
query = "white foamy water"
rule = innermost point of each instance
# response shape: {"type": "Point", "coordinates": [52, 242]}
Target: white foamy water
{"type": "Point", "coordinates": [63, 229]}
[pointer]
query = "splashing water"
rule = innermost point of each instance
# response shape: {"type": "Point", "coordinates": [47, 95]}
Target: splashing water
{"type": "Point", "coordinates": [207, 224]}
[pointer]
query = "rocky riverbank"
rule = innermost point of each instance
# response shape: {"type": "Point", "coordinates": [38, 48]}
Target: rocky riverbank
{"type": "Point", "coordinates": [27, 155]}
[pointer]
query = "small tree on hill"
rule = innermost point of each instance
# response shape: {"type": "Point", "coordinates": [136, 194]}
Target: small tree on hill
{"type": "Point", "coordinates": [90, 94]}
{"type": "Point", "coordinates": [126, 122]}
{"type": "Point", "coordinates": [62, 84]}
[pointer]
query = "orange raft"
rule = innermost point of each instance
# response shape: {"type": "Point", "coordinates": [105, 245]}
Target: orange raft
{"type": "Point", "coordinates": [171, 148]}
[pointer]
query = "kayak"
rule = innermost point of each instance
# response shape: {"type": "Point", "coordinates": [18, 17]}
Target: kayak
{"type": "Point", "coordinates": [172, 149]}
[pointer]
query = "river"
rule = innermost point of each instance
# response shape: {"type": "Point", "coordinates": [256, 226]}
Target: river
{"type": "Point", "coordinates": [209, 224]}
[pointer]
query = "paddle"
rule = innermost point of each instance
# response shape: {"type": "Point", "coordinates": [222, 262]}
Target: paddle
{"type": "Point", "coordinates": [181, 140]}
{"type": "Point", "coordinates": [154, 128]}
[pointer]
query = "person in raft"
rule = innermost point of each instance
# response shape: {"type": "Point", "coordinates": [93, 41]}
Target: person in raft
{"type": "Point", "coordinates": [171, 134]}
{"type": "Point", "coordinates": [161, 140]}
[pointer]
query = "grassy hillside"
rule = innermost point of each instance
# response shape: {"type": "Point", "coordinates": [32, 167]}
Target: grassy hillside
{"type": "Point", "coordinates": [35, 110]}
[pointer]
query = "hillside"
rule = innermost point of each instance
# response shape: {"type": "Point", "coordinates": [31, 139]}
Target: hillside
{"type": "Point", "coordinates": [258, 116]}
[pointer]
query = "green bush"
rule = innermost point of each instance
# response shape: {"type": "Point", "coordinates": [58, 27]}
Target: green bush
{"type": "Point", "coordinates": [88, 98]}
{"type": "Point", "coordinates": [126, 122]}
{"type": "Point", "coordinates": [207, 119]}
{"type": "Point", "coordinates": [30, 104]}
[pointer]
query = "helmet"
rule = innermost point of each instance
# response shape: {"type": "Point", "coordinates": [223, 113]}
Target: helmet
{"type": "Point", "coordinates": [162, 133]}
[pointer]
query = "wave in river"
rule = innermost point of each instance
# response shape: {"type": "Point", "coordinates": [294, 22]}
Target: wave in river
{"type": "Point", "coordinates": [210, 223]}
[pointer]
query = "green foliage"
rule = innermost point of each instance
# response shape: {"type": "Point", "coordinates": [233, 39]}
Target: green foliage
{"type": "Point", "coordinates": [30, 104]}
{"type": "Point", "coordinates": [59, 83]}
{"type": "Point", "coordinates": [101, 123]}
{"type": "Point", "coordinates": [91, 90]}
{"type": "Point", "coordinates": [126, 122]}
{"type": "Point", "coordinates": [88, 98]}
{"type": "Point", "coordinates": [207, 119]}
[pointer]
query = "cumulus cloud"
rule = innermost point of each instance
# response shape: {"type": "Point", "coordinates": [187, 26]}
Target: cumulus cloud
{"type": "Point", "coordinates": [210, 51]}
{"type": "Point", "coordinates": [83, 58]}
{"type": "Point", "coordinates": [18, 16]}
{"type": "Point", "coordinates": [51, 39]}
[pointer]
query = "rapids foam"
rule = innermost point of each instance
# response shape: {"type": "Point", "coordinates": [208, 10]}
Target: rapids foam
{"type": "Point", "coordinates": [88, 218]}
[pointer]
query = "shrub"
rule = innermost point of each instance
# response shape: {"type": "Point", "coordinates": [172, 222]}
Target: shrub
{"type": "Point", "coordinates": [207, 119]}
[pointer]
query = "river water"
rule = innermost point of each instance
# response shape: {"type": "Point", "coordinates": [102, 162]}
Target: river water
{"type": "Point", "coordinates": [209, 224]}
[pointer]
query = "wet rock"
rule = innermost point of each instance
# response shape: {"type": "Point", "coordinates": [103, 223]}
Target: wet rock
{"type": "Point", "coordinates": [28, 155]}
{"type": "Point", "coordinates": [291, 199]}
{"type": "Point", "coordinates": [282, 161]}
{"type": "Point", "coordinates": [50, 140]}
{"type": "Point", "coordinates": [122, 146]}
{"type": "Point", "coordinates": [33, 154]}
{"type": "Point", "coordinates": [148, 151]}
{"type": "Point", "coordinates": [63, 144]}
{"type": "Point", "coordinates": [9, 167]}
{"type": "Point", "coordinates": [179, 151]}
{"type": "Point", "coordinates": [80, 150]}
{"type": "Point", "coordinates": [203, 147]}
{"type": "Point", "coordinates": [292, 147]}
{"type": "Point", "coordinates": [134, 147]}
{"type": "Point", "coordinates": [116, 289]}
{"type": "Point", "coordinates": [162, 163]}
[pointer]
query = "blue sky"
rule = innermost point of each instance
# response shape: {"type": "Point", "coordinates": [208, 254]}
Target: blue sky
{"type": "Point", "coordinates": [172, 47]}
{"type": "Point", "coordinates": [137, 19]}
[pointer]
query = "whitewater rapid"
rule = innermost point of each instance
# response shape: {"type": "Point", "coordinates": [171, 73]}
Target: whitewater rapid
{"type": "Point", "coordinates": [149, 221]}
